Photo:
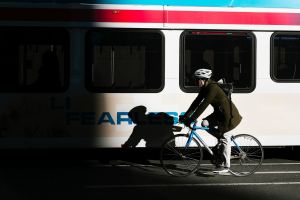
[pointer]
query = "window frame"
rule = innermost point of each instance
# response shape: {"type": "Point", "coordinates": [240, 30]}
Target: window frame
{"type": "Point", "coordinates": [272, 57]}
{"type": "Point", "coordinates": [88, 71]}
{"type": "Point", "coordinates": [195, 89]}
{"type": "Point", "coordinates": [42, 41]}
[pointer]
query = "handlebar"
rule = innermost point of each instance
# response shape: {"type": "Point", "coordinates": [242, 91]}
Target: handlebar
{"type": "Point", "coordinates": [193, 126]}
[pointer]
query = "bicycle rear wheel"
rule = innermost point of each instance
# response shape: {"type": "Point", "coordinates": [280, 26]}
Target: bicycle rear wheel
{"type": "Point", "coordinates": [247, 155]}
{"type": "Point", "coordinates": [179, 160]}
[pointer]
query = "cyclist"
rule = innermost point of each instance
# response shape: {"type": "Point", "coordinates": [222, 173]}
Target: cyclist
{"type": "Point", "coordinates": [224, 118]}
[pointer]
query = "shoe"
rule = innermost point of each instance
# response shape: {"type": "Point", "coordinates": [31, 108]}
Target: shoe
{"type": "Point", "coordinates": [221, 170]}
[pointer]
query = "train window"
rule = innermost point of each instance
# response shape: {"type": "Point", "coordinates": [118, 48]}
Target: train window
{"type": "Point", "coordinates": [124, 61]}
{"type": "Point", "coordinates": [285, 53]}
{"type": "Point", "coordinates": [33, 59]}
{"type": "Point", "coordinates": [229, 54]}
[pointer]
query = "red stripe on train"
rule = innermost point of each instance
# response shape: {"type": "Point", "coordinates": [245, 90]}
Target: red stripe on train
{"type": "Point", "coordinates": [149, 16]}
{"type": "Point", "coordinates": [212, 17]}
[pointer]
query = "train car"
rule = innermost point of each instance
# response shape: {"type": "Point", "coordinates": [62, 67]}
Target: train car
{"type": "Point", "coordinates": [71, 70]}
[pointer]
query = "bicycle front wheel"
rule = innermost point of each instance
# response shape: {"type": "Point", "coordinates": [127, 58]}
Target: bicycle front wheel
{"type": "Point", "coordinates": [177, 159]}
{"type": "Point", "coordinates": [247, 155]}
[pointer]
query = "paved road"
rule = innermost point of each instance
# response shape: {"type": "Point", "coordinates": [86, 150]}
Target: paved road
{"type": "Point", "coordinates": [277, 179]}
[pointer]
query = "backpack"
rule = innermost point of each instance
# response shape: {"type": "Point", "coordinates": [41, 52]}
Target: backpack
{"type": "Point", "coordinates": [227, 89]}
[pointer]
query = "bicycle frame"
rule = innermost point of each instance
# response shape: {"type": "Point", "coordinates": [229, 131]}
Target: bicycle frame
{"type": "Point", "coordinates": [194, 133]}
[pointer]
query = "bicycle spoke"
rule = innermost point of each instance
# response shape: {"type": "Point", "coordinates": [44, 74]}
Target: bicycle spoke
{"type": "Point", "coordinates": [252, 160]}
{"type": "Point", "coordinates": [178, 160]}
{"type": "Point", "coordinates": [172, 148]}
{"type": "Point", "coordinates": [247, 157]}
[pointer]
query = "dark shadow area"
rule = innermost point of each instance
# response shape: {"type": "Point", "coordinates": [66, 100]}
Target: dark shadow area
{"type": "Point", "coordinates": [153, 128]}
{"type": "Point", "coordinates": [49, 69]}
{"type": "Point", "coordinates": [287, 152]}
{"type": "Point", "coordinates": [104, 155]}
{"type": "Point", "coordinates": [65, 179]}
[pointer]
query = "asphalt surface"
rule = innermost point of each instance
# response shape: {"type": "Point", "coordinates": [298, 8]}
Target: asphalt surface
{"type": "Point", "coordinates": [276, 179]}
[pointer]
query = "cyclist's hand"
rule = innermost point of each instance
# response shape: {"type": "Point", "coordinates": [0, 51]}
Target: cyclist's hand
{"type": "Point", "coordinates": [187, 122]}
{"type": "Point", "coordinates": [205, 123]}
{"type": "Point", "coordinates": [181, 118]}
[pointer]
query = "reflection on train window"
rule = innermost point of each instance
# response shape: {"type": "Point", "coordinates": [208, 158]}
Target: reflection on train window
{"type": "Point", "coordinates": [33, 60]}
{"type": "Point", "coordinates": [124, 61]}
{"type": "Point", "coordinates": [285, 52]}
{"type": "Point", "coordinates": [229, 54]}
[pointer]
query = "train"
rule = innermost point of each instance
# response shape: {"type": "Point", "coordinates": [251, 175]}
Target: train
{"type": "Point", "coordinates": [71, 70]}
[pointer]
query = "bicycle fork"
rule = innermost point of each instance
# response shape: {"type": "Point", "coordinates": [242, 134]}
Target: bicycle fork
{"type": "Point", "coordinates": [242, 154]}
{"type": "Point", "coordinates": [236, 144]}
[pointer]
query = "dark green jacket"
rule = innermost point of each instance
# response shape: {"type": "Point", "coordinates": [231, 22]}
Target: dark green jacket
{"type": "Point", "coordinates": [213, 95]}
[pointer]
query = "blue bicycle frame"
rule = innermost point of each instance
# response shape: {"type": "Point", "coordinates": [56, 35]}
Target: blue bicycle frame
{"type": "Point", "coordinates": [194, 133]}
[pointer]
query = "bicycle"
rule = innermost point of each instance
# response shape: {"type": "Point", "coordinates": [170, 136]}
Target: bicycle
{"type": "Point", "coordinates": [181, 155]}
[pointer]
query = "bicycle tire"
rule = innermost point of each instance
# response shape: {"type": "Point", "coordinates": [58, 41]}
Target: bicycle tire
{"type": "Point", "coordinates": [177, 160]}
{"type": "Point", "coordinates": [250, 159]}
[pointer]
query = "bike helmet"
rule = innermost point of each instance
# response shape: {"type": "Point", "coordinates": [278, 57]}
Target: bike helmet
{"type": "Point", "coordinates": [203, 73]}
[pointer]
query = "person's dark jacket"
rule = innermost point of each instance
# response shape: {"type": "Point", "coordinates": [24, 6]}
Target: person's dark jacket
{"type": "Point", "coordinates": [213, 95]}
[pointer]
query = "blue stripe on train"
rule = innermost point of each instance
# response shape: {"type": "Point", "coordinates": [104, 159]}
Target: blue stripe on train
{"type": "Point", "coordinates": [212, 3]}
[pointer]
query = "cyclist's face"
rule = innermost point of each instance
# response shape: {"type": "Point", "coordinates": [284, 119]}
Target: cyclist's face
{"type": "Point", "coordinates": [201, 83]}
